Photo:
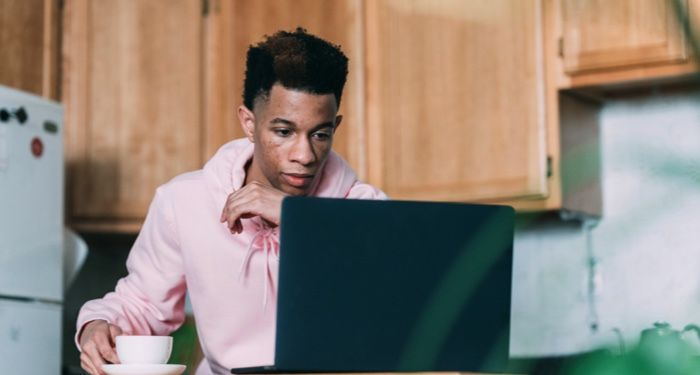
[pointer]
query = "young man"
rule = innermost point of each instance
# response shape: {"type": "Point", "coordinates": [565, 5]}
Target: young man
{"type": "Point", "coordinates": [214, 232]}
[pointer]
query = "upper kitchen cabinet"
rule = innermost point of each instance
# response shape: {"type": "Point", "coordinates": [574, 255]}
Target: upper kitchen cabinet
{"type": "Point", "coordinates": [232, 26]}
{"type": "Point", "coordinates": [457, 99]}
{"type": "Point", "coordinates": [602, 34]}
{"type": "Point", "coordinates": [29, 46]}
{"type": "Point", "coordinates": [132, 84]}
{"type": "Point", "coordinates": [611, 42]}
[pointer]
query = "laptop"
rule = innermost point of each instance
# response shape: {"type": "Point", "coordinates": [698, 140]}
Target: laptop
{"type": "Point", "coordinates": [392, 286]}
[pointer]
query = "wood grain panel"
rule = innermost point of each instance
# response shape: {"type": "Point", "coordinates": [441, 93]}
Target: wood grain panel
{"type": "Point", "coordinates": [600, 34]}
{"type": "Point", "coordinates": [29, 46]}
{"type": "Point", "coordinates": [456, 99]}
{"type": "Point", "coordinates": [645, 74]}
{"type": "Point", "coordinates": [133, 82]}
{"type": "Point", "coordinates": [232, 26]}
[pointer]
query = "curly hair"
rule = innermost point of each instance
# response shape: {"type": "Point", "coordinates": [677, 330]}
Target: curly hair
{"type": "Point", "coordinates": [297, 60]}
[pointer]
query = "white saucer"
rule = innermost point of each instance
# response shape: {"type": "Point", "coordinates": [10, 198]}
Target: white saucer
{"type": "Point", "coordinates": [143, 369]}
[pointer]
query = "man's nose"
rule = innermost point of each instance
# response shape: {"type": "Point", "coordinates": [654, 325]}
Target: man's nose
{"type": "Point", "coordinates": [302, 152]}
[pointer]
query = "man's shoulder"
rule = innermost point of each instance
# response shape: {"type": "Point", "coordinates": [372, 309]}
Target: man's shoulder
{"type": "Point", "coordinates": [361, 190]}
{"type": "Point", "coordinates": [184, 183]}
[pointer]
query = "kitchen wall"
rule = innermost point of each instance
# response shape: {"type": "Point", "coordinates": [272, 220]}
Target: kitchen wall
{"type": "Point", "coordinates": [576, 283]}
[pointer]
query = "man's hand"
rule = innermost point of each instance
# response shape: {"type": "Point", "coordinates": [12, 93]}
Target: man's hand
{"type": "Point", "coordinates": [254, 199]}
{"type": "Point", "coordinates": [97, 346]}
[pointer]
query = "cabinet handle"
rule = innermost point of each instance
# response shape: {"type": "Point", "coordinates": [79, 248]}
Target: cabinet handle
{"type": "Point", "coordinates": [205, 8]}
{"type": "Point", "coordinates": [560, 46]}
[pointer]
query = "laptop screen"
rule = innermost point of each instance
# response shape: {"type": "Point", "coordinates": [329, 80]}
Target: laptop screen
{"type": "Point", "coordinates": [393, 286]}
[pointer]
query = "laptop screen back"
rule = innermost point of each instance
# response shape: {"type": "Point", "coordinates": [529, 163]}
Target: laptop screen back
{"type": "Point", "coordinates": [393, 286]}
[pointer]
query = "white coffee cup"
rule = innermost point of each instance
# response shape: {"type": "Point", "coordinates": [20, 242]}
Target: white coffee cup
{"type": "Point", "coordinates": [144, 349]}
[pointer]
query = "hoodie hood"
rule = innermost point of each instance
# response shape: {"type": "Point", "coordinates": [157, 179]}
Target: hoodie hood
{"type": "Point", "coordinates": [225, 173]}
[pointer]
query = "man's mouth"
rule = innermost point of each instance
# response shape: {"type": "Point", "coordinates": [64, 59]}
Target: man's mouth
{"type": "Point", "coordinates": [298, 180]}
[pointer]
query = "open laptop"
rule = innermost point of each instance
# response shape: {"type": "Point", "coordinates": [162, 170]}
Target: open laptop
{"type": "Point", "coordinates": [392, 286]}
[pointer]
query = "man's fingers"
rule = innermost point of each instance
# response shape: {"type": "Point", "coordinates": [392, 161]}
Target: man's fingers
{"type": "Point", "coordinates": [107, 352]}
{"type": "Point", "coordinates": [237, 210]}
{"type": "Point", "coordinates": [106, 343]}
{"type": "Point", "coordinates": [229, 200]}
{"type": "Point", "coordinates": [114, 331]}
{"type": "Point", "coordinates": [88, 368]}
{"type": "Point", "coordinates": [95, 358]}
{"type": "Point", "coordinates": [86, 364]}
{"type": "Point", "coordinates": [237, 226]}
{"type": "Point", "coordinates": [224, 212]}
{"type": "Point", "coordinates": [228, 215]}
{"type": "Point", "coordinates": [252, 200]}
{"type": "Point", "coordinates": [90, 365]}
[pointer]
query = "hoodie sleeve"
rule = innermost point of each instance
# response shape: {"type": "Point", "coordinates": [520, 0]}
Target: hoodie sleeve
{"type": "Point", "coordinates": [150, 299]}
{"type": "Point", "coordinates": [361, 190]}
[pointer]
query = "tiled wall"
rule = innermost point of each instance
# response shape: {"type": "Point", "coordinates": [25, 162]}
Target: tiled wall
{"type": "Point", "coordinates": [573, 285]}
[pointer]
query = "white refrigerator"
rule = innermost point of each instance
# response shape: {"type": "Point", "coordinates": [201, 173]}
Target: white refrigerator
{"type": "Point", "coordinates": [31, 233]}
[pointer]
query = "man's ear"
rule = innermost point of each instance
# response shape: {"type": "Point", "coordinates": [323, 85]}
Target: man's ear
{"type": "Point", "coordinates": [338, 120]}
{"type": "Point", "coordinates": [247, 119]}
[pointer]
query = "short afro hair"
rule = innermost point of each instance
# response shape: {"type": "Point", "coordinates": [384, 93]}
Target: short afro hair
{"type": "Point", "coordinates": [297, 60]}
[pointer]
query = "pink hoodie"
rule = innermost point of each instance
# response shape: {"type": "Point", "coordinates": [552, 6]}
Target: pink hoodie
{"type": "Point", "coordinates": [231, 279]}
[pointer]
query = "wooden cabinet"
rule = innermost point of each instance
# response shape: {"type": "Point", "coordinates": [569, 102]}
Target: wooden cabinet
{"type": "Point", "coordinates": [449, 100]}
{"type": "Point", "coordinates": [608, 34]}
{"type": "Point", "coordinates": [151, 90]}
{"type": "Point", "coordinates": [29, 46]}
{"type": "Point", "coordinates": [618, 42]}
{"type": "Point", "coordinates": [232, 26]}
{"type": "Point", "coordinates": [456, 99]}
{"type": "Point", "coordinates": [132, 84]}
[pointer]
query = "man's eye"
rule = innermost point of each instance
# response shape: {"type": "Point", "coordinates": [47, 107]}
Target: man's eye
{"type": "Point", "coordinates": [283, 132]}
{"type": "Point", "coordinates": [321, 136]}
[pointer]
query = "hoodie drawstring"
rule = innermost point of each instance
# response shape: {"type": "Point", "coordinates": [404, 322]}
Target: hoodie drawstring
{"type": "Point", "coordinates": [266, 236]}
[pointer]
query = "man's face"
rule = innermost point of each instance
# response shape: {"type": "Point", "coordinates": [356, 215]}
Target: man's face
{"type": "Point", "coordinates": [293, 133]}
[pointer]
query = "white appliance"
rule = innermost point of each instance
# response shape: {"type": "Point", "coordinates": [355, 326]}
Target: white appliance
{"type": "Point", "coordinates": [31, 233]}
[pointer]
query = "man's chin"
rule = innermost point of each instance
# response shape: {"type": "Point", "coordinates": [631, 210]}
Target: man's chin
{"type": "Point", "coordinates": [295, 191]}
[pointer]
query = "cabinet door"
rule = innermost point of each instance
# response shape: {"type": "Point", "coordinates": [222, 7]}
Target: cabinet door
{"type": "Point", "coordinates": [29, 46]}
{"type": "Point", "coordinates": [232, 26]}
{"type": "Point", "coordinates": [602, 34]}
{"type": "Point", "coordinates": [132, 89]}
{"type": "Point", "coordinates": [456, 99]}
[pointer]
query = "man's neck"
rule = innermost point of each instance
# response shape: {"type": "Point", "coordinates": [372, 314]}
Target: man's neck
{"type": "Point", "coordinates": [252, 173]}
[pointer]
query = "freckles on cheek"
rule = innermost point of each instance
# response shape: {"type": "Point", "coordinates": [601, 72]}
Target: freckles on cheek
{"type": "Point", "coordinates": [271, 151]}
{"type": "Point", "coordinates": [272, 146]}
{"type": "Point", "coordinates": [273, 143]}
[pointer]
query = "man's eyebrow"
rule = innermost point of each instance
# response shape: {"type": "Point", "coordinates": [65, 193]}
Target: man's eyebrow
{"type": "Point", "coordinates": [283, 121]}
{"type": "Point", "coordinates": [329, 124]}
{"type": "Point", "coordinates": [279, 120]}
